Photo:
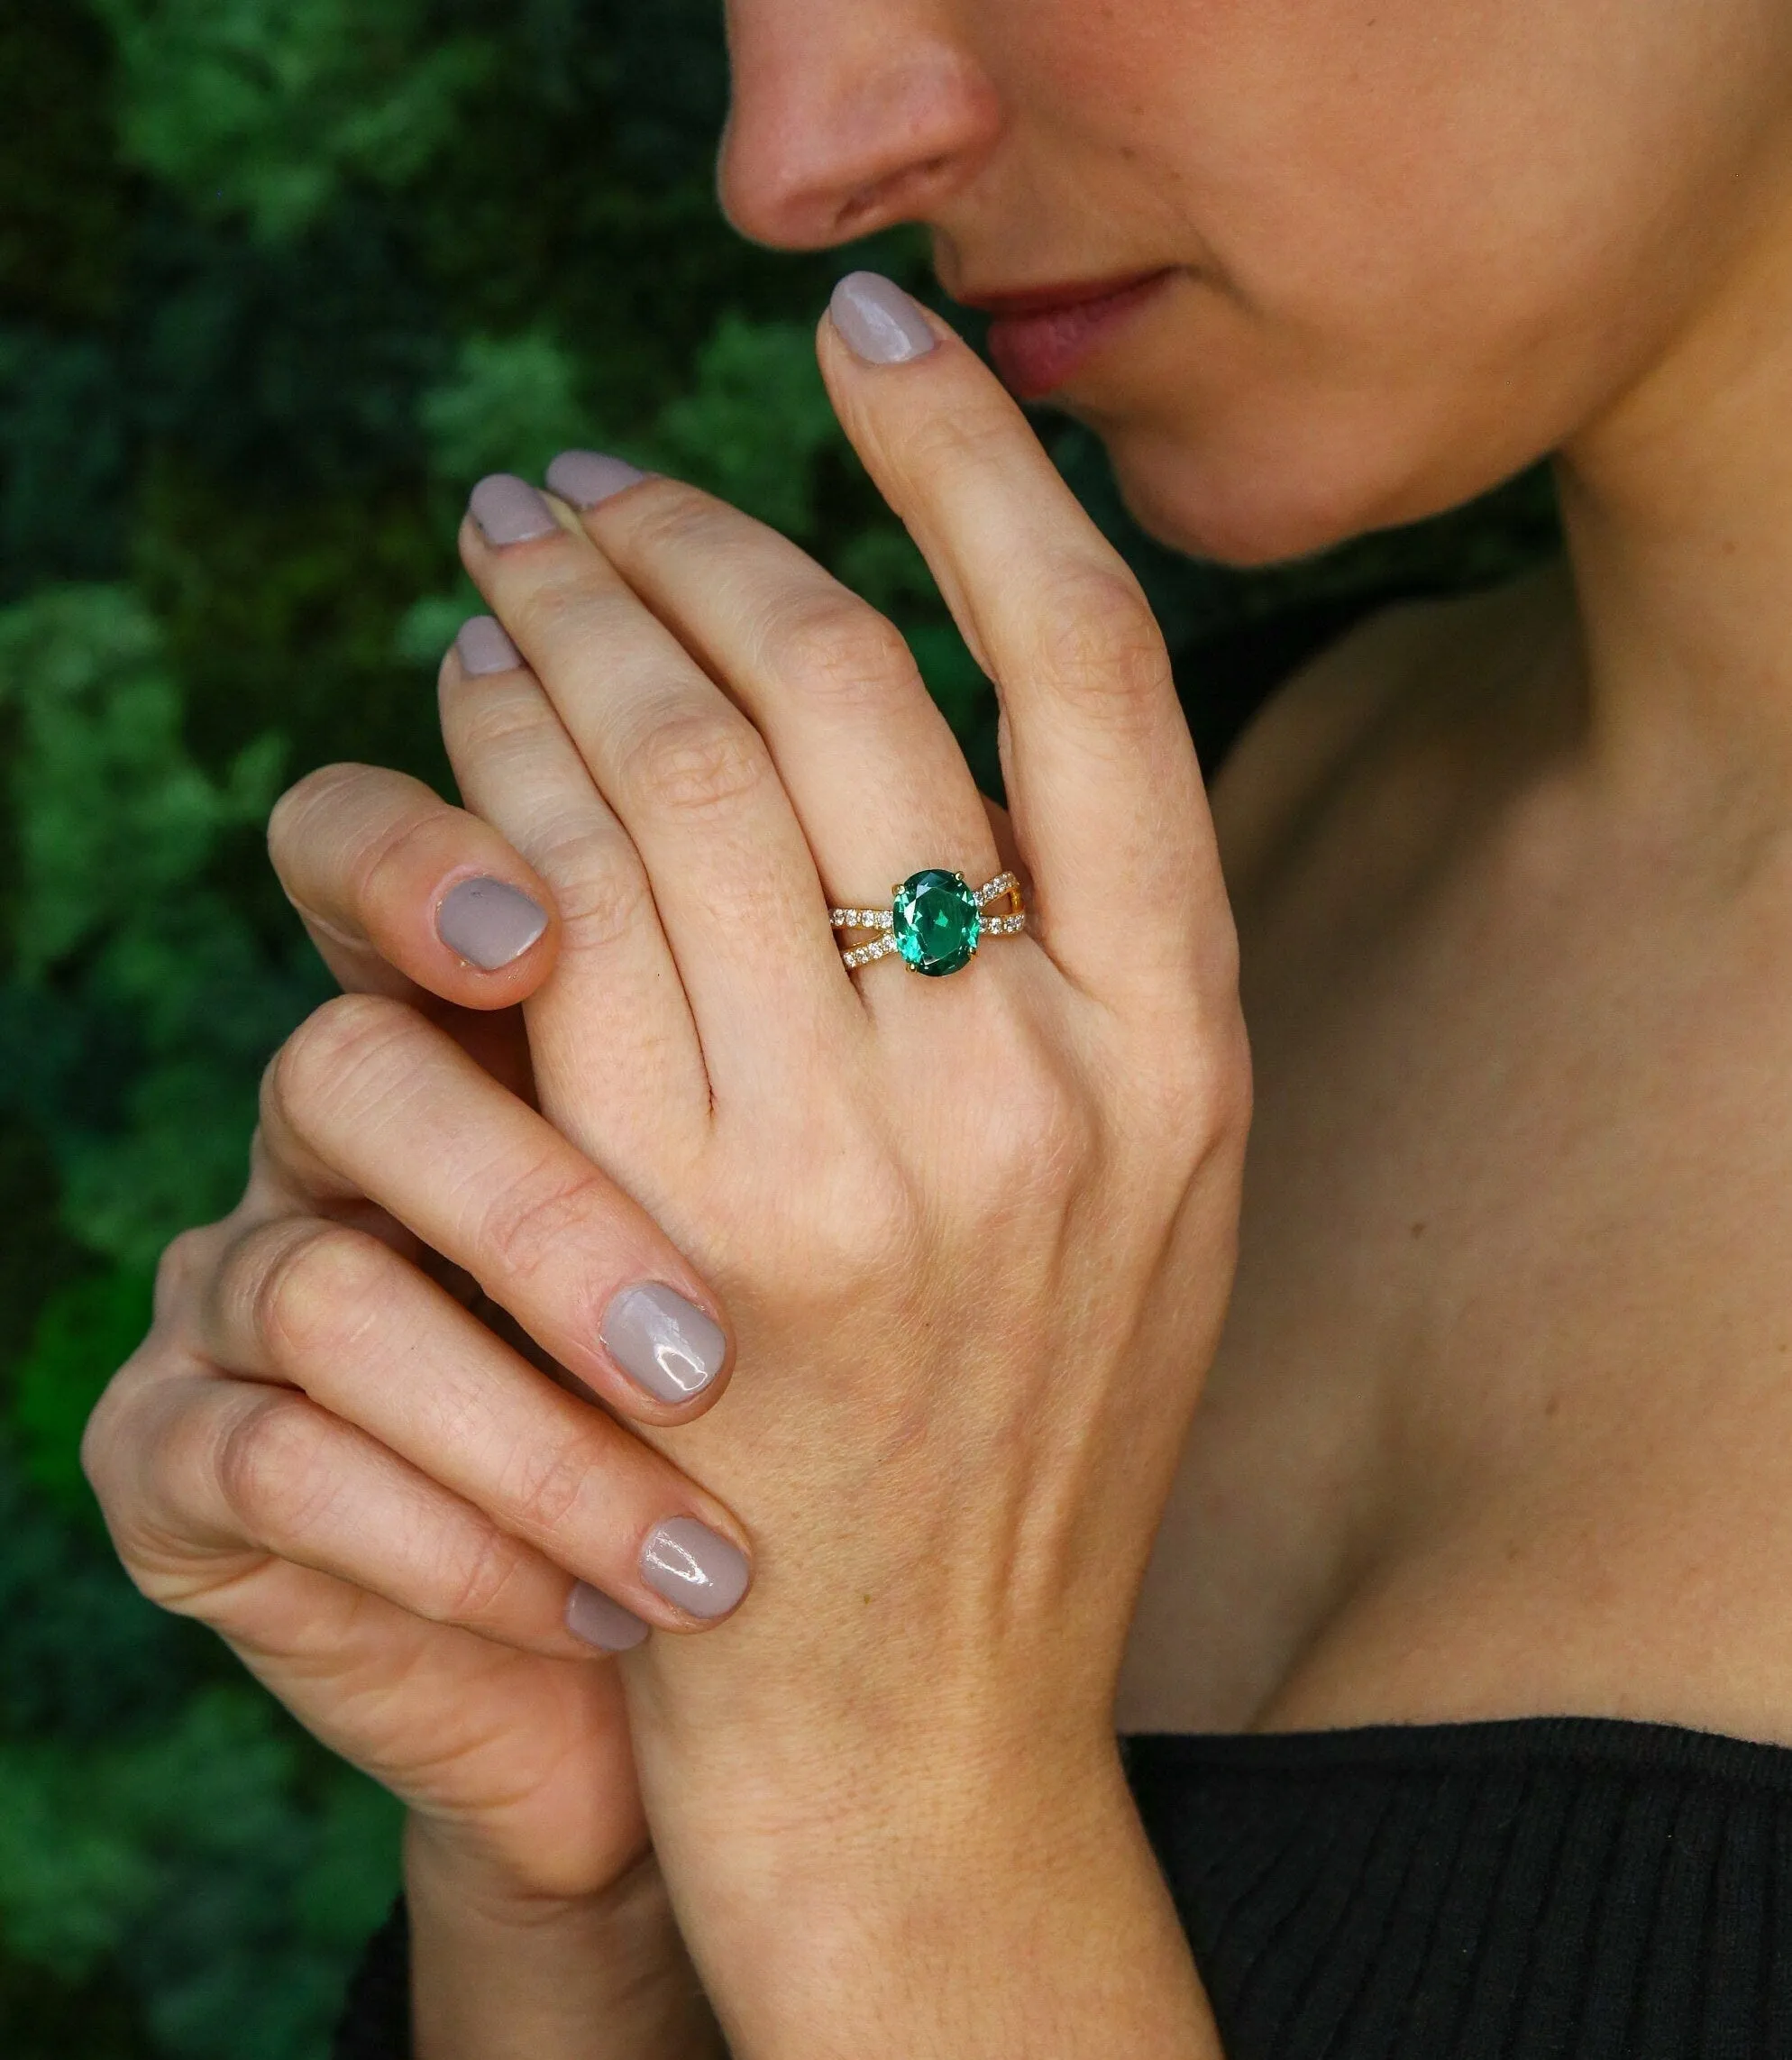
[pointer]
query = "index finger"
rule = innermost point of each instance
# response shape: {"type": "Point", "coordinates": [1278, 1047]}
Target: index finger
{"type": "Point", "coordinates": [1110, 813]}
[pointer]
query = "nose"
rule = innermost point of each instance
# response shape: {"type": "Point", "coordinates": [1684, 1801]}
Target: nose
{"type": "Point", "coordinates": [848, 115]}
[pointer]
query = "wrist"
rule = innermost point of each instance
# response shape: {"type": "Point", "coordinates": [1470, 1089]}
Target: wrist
{"type": "Point", "coordinates": [500, 1969]}
{"type": "Point", "coordinates": [985, 1911]}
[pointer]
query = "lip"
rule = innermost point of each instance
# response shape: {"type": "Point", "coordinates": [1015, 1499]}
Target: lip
{"type": "Point", "coordinates": [1042, 334]}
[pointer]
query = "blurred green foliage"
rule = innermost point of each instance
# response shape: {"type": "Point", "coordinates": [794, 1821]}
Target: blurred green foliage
{"type": "Point", "coordinates": [279, 279]}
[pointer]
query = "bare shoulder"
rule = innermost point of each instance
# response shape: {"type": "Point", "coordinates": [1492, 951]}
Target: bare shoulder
{"type": "Point", "coordinates": [1321, 727]}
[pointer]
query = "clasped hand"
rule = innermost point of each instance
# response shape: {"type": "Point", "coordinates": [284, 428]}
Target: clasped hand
{"type": "Point", "coordinates": [964, 1243]}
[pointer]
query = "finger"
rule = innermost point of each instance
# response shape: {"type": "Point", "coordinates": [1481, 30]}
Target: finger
{"type": "Point", "coordinates": [337, 1316]}
{"type": "Point", "coordinates": [367, 1102]}
{"type": "Point", "coordinates": [1108, 808]}
{"type": "Point", "coordinates": [691, 781]}
{"type": "Point", "coordinates": [871, 765]}
{"type": "Point", "coordinates": [619, 1015]}
{"type": "Point", "coordinates": [227, 1478]}
{"type": "Point", "coordinates": [402, 893]}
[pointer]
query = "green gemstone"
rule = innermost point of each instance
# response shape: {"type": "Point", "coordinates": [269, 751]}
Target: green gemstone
{"type": "Point", "coordinates": [937, 921]}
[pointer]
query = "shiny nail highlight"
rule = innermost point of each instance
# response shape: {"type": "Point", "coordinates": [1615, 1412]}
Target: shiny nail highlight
{"type": "Point", "coordinates": [877, 321]}
{"type": "Point", "coordinates": [484, 646]}
{"type": "Point", "coordinates": [489, 922]}
{"type": "Point", "coordinates": [588, 477]}
{"type": "Point", "coordinates": [509, 511]}
{"type": "Point", "coordinates": [662, 1342]}
{"type": "Point", "coordinates": [688, 1563]}
{"type": "Point", "coordinates": [591, 1615]}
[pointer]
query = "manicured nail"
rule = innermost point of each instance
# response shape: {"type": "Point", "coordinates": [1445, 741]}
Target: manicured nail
{"type": "Point", "coordinates": [878, 321]}
{"type": "Point", "coordinates": [485, 646]}
{"type": "Point", "coordinates": [587, 478]}
{"type": "Point", "coordinates": [686, 1562]}
{"type": "Point", "coordinates": [662, 1342]}
{"type": "Point", "coordinates": [591, 1615]}
{"type": "Point", "coordinates": [509, 511]}
{"type": "Point", "coordinates": [488, 923]}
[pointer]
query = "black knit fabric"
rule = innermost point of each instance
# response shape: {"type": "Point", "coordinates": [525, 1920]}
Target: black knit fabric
{"type": "Point", "coordinates": [376, 2022]}
{"type": "Point", "coordinates": [1559, 1889]}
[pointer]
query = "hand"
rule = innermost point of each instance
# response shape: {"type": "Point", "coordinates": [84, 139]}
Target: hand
{"type": "Point", "coordinates": [407, 1526]}
{"type": "Point", "coordinates": [976, 1232]}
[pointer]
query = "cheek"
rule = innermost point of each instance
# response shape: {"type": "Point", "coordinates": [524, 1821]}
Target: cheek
{"type": "Point", "coordinates": [1427, 252]}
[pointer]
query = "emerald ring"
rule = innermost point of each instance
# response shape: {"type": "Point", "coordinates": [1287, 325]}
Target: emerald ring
{"type": "Point", "coordinates": [935, 922]}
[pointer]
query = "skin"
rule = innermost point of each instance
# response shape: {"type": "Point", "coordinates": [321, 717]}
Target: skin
{"type": "Point", "coordinates": [1496, 1424]}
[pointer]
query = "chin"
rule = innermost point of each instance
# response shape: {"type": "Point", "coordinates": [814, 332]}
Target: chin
{"type": "Point", "coordinates": [1246, 513]}
{"type": "Point", "coordinates": [1262, 498]}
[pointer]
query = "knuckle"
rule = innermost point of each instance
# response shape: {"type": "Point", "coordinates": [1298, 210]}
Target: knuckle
{"type": "Point", "coordinates": [101, 1444]}
{"type": "Point", "coordinates": [502, 719]}
{"type": "Point", "coordinates": [311, 1291]}
{"type": "Point", "coordinates": [676, 519]}
{"type": "Point", "coordinates": [1049, 1137]}
{"type": "Point", "coordinates": [1193, 1101]}
{"type": "Point", "coordinates": [949, 443]}
{"type": "Point", "coordinates": [185, 1261]}
{"type": "Point", "coordinates": [318, 790]}
{"type": "Point", "coordinates": [1227, 1093]}
{"type": "Point", "coordinates": [544, 1215]}
{"type": "Point", "coordinates": [600, 886]}
{"type": "Point", "coordinates": [834, 648]}
{"type": "Point", "coordinates": [698, 763]}
{"type": "Point", "coordinates": [867, 1218]}
{"type": "Point", "coordinates": [332, 1048]}
{"type": "Point", "coordinates": [390, 846]}
{"type": "Point", "coordinates": [547, 1480]}
{"type": "Point", "coordinates": [477, 1577]}
{"type": "Point", "coordinates": [1097, 638]}
{"type": "Point", "coordinates": [273, 1470]}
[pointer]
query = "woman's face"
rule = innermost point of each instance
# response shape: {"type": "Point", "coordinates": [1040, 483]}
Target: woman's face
{"type": "Point", "coordinates": [1386, 251]}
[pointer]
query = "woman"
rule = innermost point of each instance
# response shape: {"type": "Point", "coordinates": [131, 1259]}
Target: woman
{"type": "Point", "coordinates": [1495, 1448]}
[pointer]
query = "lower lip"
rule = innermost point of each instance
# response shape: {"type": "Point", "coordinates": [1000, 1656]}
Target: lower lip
{"type": "Point", "coordinates": [1036, 353]}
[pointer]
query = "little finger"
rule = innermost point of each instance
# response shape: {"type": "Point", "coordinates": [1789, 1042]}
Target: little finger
{"type": "Point", "coordinates": [230, 1477]}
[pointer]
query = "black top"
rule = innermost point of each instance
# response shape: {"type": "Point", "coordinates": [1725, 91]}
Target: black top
{"type": "Point", "coordinates": [1557, 1889]}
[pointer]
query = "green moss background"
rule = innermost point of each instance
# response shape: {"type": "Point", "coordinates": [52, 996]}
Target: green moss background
{"type": "Point", "coordinates": [279, 279]}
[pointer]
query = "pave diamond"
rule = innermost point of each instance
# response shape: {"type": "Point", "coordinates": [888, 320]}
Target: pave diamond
{"type": "Point", "coordinates": [937, 921]}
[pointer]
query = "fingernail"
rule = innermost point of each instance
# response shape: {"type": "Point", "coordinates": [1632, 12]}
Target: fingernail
{"type": "Point", "coordinates": [509, 511]}
{"type": "Point", "coordinates": [587, 478]}
{"type": "Point", "coordinates": [662, 1342]}
{"type": "Point", "coordinates": [878, 321]}
{"type": "Point", "coordinates": [689, 1564]}
{"type": "Point", "coordinates": [591, 1615]}
{"type": "Point", "coordinates": [485, 646]}
{"type": "Point", "coordinates": [488, 923]}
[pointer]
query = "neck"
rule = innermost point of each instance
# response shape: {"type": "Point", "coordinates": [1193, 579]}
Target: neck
{"type": "Point", "coordinates": [1678, 508]}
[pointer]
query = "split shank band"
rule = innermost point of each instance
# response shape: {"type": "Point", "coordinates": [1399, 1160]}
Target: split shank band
{"type": "Point", "coordinates": [935, 923]}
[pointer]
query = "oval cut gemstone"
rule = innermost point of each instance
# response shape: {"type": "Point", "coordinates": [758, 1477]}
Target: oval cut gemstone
{"type": "Point", "coordinates": [937, 921]}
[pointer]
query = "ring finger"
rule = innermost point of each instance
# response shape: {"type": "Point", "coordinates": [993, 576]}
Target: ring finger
{"type": "Point", "coordinates": [250, 1477]}
{"type": "Point", "coordinates": [690, 779]}
{"type": "Point", "coordinates": [871, 765]}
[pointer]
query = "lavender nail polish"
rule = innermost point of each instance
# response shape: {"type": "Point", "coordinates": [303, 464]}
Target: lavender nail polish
{"type": "Point", "coordinates": [591, 1615]}
{"type": "Point", "coordinates": [877, 321]}
{"type": "Point", "coordinates": [662, 1342]}
{"type": "Point", "coordinates": [489, 922]}
{"type": "Point", "coordinates": [588, 477]}
{"type": "Point", "coordinates": [688, 1563]}
{"type": "Point", "coordinates": [509, 511]}
{"type": "Point", "coordinates": [484, 646]}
